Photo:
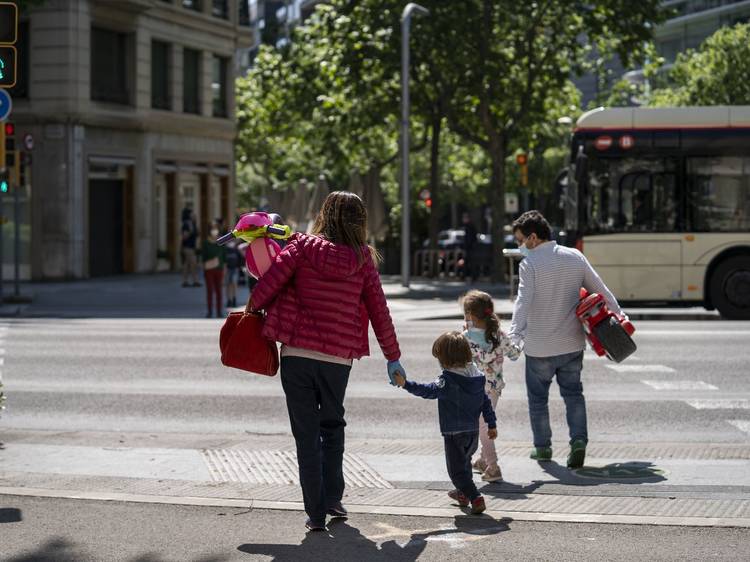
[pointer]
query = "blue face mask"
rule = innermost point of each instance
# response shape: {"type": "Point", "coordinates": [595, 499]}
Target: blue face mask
{"type": "Point", "coordinates": [476, 335]}
{"type": "Point", "coordinates": [524, 250]}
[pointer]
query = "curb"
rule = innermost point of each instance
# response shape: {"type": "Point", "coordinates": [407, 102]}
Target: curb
{"type": "Point", "coordinates": [384, 510]}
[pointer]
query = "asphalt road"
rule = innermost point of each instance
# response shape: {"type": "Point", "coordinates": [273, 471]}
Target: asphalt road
{"type": "Point", "coordinates": [688, 382]}
{"type": "Point", "coordinates": [44, 530]}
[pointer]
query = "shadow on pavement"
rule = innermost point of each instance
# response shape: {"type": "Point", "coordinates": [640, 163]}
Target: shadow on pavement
{"type": "Point", "coordinates": [344, 542]}
{"type": "Point", "coordinates": [633, 472]}
{"type": "Point", "coordinates": [10, 515]}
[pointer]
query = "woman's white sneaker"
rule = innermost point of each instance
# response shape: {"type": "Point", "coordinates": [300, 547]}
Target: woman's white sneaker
{"type": "Point", "coordinates": [492, 474]}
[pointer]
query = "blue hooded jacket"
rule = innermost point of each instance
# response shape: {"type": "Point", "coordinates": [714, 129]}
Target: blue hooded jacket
{"type": "Point", "coordinates": [461, 399]}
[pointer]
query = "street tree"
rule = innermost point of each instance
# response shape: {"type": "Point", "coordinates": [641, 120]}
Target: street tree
{"type": "Point", "coordinates": [714, 74]}
{"type": "Point", "coordinates": [516, 59]}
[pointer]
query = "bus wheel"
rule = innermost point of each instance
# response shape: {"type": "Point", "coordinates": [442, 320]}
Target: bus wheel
{"type": "Point", "coordinates": [615, 340]}
{"type": "Point", "coordinates": [730, 288]}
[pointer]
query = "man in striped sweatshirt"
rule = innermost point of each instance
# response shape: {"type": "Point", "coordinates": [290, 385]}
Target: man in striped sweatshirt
{"type": "Point", "coordinates": [545, 325]}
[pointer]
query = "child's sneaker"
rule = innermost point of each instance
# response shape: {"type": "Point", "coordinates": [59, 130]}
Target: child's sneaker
{"type": "Point", "coordinates": [479, 465]}
{"type": "Point", "coordinates": [459, 498]}
{"type": "Point", "coordinates": [492, 474]}
{"type": "Point", "coordinates": [477, 505]}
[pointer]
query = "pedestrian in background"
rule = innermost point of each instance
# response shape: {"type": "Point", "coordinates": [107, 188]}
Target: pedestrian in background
{"type": "Point", "coordinates": [189, 249]}
{"type": "Point", "coordinates": [233, 258]}
{"type": "Point", "coordinates": [461, 398]}
{"type": "Point", "coordinates": [545, 325]}
{"type": "Point", "coordinates": [214, 260]}
{"type": "Point", "coordinates": [489, 346]}
{"type": "Point", "coordinates": [318, 295]}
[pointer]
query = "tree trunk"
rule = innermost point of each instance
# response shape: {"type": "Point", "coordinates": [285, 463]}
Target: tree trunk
{"type": "Point", "coordinates": [497, 196]}
{"type": "Point", "coordinates": [435, 180]}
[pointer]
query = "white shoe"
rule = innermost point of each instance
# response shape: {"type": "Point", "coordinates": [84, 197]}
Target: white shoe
{"type": "Point", "coordinates": [479, 465]}
{"type": "Point", "coordinates": [493, 474]}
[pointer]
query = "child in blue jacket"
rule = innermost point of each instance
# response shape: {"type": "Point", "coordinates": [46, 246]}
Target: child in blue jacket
{"type": "Point", "coordinates": [461, 398]}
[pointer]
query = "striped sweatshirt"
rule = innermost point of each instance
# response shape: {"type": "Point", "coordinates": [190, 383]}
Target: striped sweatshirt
{"type": "Point", "coordinates": [544, 316]}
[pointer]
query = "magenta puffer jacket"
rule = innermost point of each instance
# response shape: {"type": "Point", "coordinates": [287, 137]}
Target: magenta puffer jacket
{"type": "Point", "coordinates": [317, 296]}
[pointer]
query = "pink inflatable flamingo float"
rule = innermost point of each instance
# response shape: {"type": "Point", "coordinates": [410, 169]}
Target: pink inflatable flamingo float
{"type": "Point", "coordinates": [260, 233]}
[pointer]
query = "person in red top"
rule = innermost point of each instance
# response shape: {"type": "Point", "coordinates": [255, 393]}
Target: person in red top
{"type": "Point", "coordinates": [319, 296]}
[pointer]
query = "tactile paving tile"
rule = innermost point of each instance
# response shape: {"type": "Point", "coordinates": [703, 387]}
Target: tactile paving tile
{"type": "Point", "coordinates": [280, 467]}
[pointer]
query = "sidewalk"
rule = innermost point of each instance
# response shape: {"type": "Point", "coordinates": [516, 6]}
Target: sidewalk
{"type": "Point", "coordinates": [161, 296]}
{"type": "Point", "coordinates": [678, 486]}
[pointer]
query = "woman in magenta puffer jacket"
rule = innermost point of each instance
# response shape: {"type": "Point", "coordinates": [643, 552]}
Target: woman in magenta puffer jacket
{"type": "Point", "coordinates": [319, 295]}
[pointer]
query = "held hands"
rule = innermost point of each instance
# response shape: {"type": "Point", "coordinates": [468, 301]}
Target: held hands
{"type": "Point", "coordinates": [514, 352]}
{"type": "Point", "coordinates": [395, 367]}
{"type": "Point", "coordinates": [492, 433]}
{"type": "Point", "coordinates": [399, 380]}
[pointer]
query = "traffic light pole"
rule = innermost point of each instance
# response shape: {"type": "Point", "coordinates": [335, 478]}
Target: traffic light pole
{"type": "Point", "coordinates": [17, 235]}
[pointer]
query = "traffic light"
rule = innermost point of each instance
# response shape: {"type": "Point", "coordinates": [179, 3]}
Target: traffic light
{"type": "Point", "coordinates": [4, 186]}
{"type": "Point", "coordinates": [8, 23]}
{"type": "Point", "coordinates": [8, 153]}
{"type": "Point", "coordinates": [523, 161]}
{"type": "Point", "coordinates": [8, 37]}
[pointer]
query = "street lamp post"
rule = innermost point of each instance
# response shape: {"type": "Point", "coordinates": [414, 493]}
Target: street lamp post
{"type": "Point", "coordinates": [405, 191]}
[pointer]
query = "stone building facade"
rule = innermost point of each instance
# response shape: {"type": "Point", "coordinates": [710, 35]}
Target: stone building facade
{"type": "Point", "coordinates": [130, 104]}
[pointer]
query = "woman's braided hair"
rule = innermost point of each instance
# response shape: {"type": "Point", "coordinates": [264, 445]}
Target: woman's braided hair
{"type": "Point", "coordinates": [343, 220]}
{"type": "Point", "coordinates": [479, 304]}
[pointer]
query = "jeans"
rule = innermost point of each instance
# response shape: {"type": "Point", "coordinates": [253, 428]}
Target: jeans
{"type": "Point", "coordinates": [315, 400]}
{"type": "Point", "coordinates": [459, 449]}
{"type": "Point", "coordinates": [539, 374]}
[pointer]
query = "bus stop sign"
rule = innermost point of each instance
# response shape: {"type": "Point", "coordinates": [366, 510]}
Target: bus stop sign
{"type": "Point", "coordinates": [6, 104]}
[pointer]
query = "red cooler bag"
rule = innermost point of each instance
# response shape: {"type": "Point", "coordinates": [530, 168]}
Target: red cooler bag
{"type": "Point", "coordinates": [243, 346]}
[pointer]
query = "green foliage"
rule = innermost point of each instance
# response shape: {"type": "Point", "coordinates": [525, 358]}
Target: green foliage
{"type": "Point", "coordinates": [715, 74]}
{"type": "Point", "coordinates": [488, 77]}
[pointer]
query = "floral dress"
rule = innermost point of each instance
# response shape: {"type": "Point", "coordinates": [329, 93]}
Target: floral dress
{"type": "Point", "coordinates": [489, 360]}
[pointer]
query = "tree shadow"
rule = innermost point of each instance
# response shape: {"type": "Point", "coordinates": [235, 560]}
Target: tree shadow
{"type": "Point", "coordinates": [10, 515]}
{"type": "Point", "coordinates": [54, 550]}
{"type": "Point", "coordinates": [344, 542]}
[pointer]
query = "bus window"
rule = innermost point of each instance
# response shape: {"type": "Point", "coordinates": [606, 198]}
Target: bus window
{"type": "Point", "coordinates": [719, 194]}
{"type": "Point", "coordinates": [633, 195]}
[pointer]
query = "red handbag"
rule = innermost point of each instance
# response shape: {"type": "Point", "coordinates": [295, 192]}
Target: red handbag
{"type": "Point", "coordinates": [243, 346]}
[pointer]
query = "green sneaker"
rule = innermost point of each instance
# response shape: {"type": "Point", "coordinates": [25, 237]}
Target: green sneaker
{"type": "Point", "coordinates": [577, 454]}
{"type": "Point", "coordinates": [541, 454]}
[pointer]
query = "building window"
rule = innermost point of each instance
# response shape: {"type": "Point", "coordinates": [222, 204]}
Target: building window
{"type": "Point", "coordinates": [109, 66]}
{"type": "Point", "coordinates": [196, 5]}
{"type": "Point", "coordinates": [191, 81]}
{"type": "Point", "coordinates": [219, 86]}
{"type": "Point", "coordinates": [160, 76]}
{"type": "Point", "coordinates": [220, 9]}
{"type": "Point", "coordinates": [244, 13]}
{"type": "Point", "coordinates": [21, 89]}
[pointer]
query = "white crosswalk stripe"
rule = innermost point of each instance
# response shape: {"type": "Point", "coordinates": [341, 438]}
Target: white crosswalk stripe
{"type": "Point", "coordinates": [641, 368]}
{"type": "Point", "coordinates": [720, 404]}
{"type": "Point", "coordinates": [680, 385]}
{"type": "Point", "coordinates": [742, 425]}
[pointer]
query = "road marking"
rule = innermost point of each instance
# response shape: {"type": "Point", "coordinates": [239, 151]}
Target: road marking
{"type": "Point", "coordinates": [720, 404]}
{"type": "Point", "coordinates": [742, 425]}
{"type": "Point", "coordinates": [680, 385]}
{"type": "Point", "coordinates": [641, 368]}
{"type": "Point", "coordinates": [701, 333]}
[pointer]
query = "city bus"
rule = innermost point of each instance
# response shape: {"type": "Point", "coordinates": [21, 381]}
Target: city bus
{"type": "Point", "coordinates": [659, 201]}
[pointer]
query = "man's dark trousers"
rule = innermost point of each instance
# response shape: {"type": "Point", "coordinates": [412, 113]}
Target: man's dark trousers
{"type": "Point", "coordinates": [459, 448]}
{"type": "Point", "coordinates": [315, 400]}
